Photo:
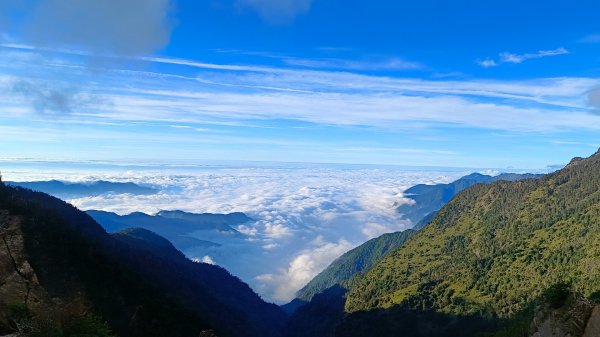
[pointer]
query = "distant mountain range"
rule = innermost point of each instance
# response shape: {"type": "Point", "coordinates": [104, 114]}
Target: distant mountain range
{"type": "Point", "coordinates": [176, 226]}
{"type": "Point", "coordinates": [62, 275]}
{"type": "Point", "coordinates": [68, 190]}
{"type": "Point", "coordinates": [428, 199]}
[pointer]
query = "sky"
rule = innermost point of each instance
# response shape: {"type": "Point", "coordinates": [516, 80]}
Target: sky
{"type": "Point", "coordinates": [429, 83]}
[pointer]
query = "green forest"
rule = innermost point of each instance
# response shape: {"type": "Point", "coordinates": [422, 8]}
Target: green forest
{"type": "Point", "coordinates": [494, 249]}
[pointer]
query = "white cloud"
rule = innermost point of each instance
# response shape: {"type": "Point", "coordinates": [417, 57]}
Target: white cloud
{"type": "Point", "coordinates": [283, 286]}
{"type": "Point", "coordinates": [520, 58]}
{"type": "Point", "coordinates": [507, 57]}
{"type": "Point", "coordinates": [368, 65]}
{"type": "Point", "coordinates": [208, 259]}
{"type": "Point", "coordinates": [487, 63]}
{"type": "Point", "coordinates": [240, 97]}
{"type": "Point", "coordinates": [373, 230]}
{"type": "Point", "coordinates": [305, 216]}
{"type": "Point", "coordinates": [331, 97]}
{"type": "Point", "coordinates": [276, 229]}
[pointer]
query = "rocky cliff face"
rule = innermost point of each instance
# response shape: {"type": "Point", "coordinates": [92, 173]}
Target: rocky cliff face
{"type": "Point", "coordinates": [19, 283]}
{"type": "Point", "coordinates": [580, 319]}
{"type": "Point", "coordinates": [593, 324]}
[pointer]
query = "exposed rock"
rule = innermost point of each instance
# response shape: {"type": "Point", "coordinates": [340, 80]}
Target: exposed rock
{"type": "Point", "coordinates": [569, 321]}
{"type": "Point", "coordinates": [19, 283]}
{"type": "Point", "coordinates": [593, 325]}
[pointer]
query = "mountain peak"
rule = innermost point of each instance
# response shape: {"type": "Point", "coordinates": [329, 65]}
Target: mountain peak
{"type": "Point", "coordinates": [576, 160]}
{"type": "Point", "coordinates": [144, 235]}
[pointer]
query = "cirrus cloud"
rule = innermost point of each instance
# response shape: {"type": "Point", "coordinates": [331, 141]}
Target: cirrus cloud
{"type": "Point", "coordinates": [507, 57]}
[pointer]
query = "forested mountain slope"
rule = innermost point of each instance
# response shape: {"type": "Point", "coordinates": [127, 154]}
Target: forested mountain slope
{"type": "Point", "coordinates": [60, 269]}
{"type": "Point", "coordinates": [495, 248]}
{"type": "Point", "coordinates": [428, 199]}
{"type": "Point", "coordinates": [353, 262]}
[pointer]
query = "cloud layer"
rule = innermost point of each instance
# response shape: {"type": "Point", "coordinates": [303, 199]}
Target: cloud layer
{"type": "Point", "coordinates": [306, 216]}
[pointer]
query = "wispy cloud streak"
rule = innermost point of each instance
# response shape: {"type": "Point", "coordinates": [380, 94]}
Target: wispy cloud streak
{"type": "Point", "coordinates": [507, 57]}
{"type": "Point", "coordinates": [228, 93]}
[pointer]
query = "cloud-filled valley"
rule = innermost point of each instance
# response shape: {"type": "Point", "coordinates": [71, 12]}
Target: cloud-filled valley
{"type": "Point", "coordinates": [305, 216]}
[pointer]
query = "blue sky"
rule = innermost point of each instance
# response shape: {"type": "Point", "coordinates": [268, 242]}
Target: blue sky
{"type": "Point", "coordinates": [461, 83]}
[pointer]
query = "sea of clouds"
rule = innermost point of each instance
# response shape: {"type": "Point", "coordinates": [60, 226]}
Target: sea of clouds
{"type": "Point", "coordinates": [306, 216]}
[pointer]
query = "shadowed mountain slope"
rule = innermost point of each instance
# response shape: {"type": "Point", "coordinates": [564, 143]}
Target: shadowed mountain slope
{"type": "Point", "coordinates": [58, 263]}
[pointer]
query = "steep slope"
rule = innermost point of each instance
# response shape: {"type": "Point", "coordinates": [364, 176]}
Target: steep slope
{"type": "Point", "coordinates": [58, 263]}
{"type": "Point", "coordinates": [223, 299]}
{"type": "Point", "coordinates": [495, 248]}
{"type": "Point", "coordinates": [66, 266]}
{"type": "Point", "coordinates": [428, 199]}
{"type": "Point", "coordinates": [319, 317]}
{"type": "Point", "coordinates": [353, 262]}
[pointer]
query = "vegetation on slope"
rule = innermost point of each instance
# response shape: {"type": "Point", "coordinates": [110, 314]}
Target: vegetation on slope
{"type": "Point", "coordinates": [428, 199]}
{"type": "Point", "coordinates": [135, 280]}
{"type": "Point", "coordinates": [353, 262]}
{"type": "Point", "coordinates": [78, 265]}
{"type": "Point", "coordinates": [494, 248]}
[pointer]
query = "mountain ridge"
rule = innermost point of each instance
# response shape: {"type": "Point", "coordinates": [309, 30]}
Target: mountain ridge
{"type": "Point", "coordinates": [135, 280]}
{"type": "Point", "coordinates": [352, 263]}
{"type": "Point", "coordinates": [363, 257]}
{"type": "Point", "coordinates": [428, 199]}
{"type": "Point", "coordinates": [506, 241]}
{"type": "Point", "coordinates": [177, 226]}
